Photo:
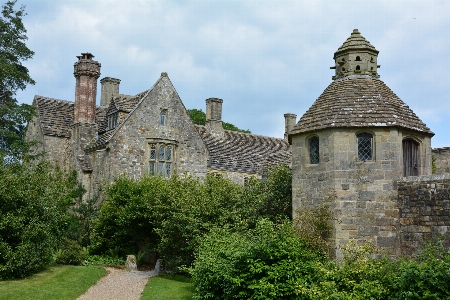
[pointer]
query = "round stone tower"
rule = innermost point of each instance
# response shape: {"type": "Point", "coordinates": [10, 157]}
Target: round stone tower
{"type": "Point", "coordinates": [352, 145]}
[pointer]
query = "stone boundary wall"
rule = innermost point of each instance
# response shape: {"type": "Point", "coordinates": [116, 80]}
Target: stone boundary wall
{"type": "Point", "coordinates": [441, 158]}
{"type": "Point", "coordinates": [424, 211]}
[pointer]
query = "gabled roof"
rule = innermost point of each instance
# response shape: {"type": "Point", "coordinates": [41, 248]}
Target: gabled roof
{"type": "Point", "coordinates": [244, 152]}
{"type": "Point", "coordinates": [56, 116]}
{"type": "Point", "coordinates": [359, 101]}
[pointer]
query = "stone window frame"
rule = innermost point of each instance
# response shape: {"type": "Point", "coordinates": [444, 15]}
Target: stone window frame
{"type": "Point", "coordinates": [310, 154]}
{"type": "Point", "coordinates": [372, 146]}
{"type": "Point", "coordinates": [113, 120]}
{"type": "Point", "coordinates": [159, 164]}
{"type": "Point", "coordinates": [163, 117]}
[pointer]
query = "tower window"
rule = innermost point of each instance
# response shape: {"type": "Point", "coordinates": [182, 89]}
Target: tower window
{"type": "Point", "coordinates": [343, 69]}
{"type": "Point", "coordinates": [357, 68]}
{"type": "Point", "coordinates": [163, 116]}
{"type": "Point", "coordinates": [358, 58]}
{"type": "Point", "coordinates": [314, 150]}
{"type": "Point", "coordinates": [365, 146]}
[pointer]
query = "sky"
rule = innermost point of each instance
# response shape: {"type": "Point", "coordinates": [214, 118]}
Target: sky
{"type": "Point", "coordinates": [263, 58]}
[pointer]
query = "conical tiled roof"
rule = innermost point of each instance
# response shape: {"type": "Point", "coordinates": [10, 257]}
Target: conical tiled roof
{"type": "Point", "coordinates": [359, 101]}
{"type": "Point", "coordinates": [355, 42]}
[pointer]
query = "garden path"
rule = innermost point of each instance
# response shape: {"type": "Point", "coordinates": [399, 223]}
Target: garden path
{"type": "Point", "coordinates": [119, 285]}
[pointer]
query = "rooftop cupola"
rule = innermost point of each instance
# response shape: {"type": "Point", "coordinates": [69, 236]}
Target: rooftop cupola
{"type": "Point", "coordinates": [356, 56]}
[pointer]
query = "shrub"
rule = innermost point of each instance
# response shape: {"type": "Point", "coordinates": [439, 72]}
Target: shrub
{"type": "Point", "coordinates": [34, 218]}
{"type": "Point", "coordinates": [267, 262]}
{"type": "Point", "coordinates": [71, 254]}
{"type": "Point", "coordinates": [171, 215]}
{"type": "Point", "coordinates": [426, 276]}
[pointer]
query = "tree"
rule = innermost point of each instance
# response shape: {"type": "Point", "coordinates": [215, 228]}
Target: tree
{"type": "Point", "coordinates": [199, 118]}
{"type": "Point", "coordinates": [13, 76]}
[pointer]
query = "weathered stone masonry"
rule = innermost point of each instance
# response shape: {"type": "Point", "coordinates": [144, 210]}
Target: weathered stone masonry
{"type": "Point", "coordinates": [424, 211]}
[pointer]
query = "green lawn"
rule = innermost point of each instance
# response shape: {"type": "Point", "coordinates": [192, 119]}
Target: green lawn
{"type": "Point", "coordinates": [65, 282]}
{"type": "Point", "coordinates": [168, 287]}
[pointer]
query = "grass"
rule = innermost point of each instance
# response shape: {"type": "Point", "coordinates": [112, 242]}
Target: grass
{"type": "Point", "coordinates": [168, 287]}
{"type": "Point", "coordinates": [59, 282]}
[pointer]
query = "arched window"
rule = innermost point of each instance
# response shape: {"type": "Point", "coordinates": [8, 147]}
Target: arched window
{"type": "Point", "coordinates": [358, 68]}
{"type": "Point", "coordinates": [313, 150]}
{"type": "Point", "coordinates": [163, 117]}
{"type": "Point", "coordinates": [365, 146]}
{"type": "Point", "coordinates": [358, 58]}
{"type": "Point", "coordinates": [343, 69]}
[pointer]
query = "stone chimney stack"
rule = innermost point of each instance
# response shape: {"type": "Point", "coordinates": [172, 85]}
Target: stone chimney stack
{"type": "Point", "coordinates": [86, 72]}
{"type": "Point", "coordinates": [110, 88]}
{"type": "Point", "coordinates": [289, 123]}
{"type": "Point", "coordinates": [214, 115]}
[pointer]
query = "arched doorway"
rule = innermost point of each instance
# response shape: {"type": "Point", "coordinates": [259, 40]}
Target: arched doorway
{"type": "Point", "coordinates": [410, 158]}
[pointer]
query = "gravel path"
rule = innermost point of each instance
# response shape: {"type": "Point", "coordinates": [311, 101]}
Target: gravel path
{"type": "Point", "coordinates": [119, 285]}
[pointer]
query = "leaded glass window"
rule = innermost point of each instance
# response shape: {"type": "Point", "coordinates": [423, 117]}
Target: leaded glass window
{"type": "Point", "coordinates": [113, 120]}
{"type": "Point", "coordinates": [152, 163]}
{"type": "Point", "coordinates": [365, 146]}
{"type": "Point", "coordinates": [314, 150]}
{"type": "Point", "coordinates": [160, 161]}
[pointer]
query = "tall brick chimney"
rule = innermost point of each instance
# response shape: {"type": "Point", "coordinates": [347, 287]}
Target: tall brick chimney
{"type": "Point", "coordinates": [214, 115]}
{"type": "Point", "coordinates": [110, 88]}
{"type": "Point", "coordinates": [289, 123]}
{"type": "Point", "coordinates": [86, 72]}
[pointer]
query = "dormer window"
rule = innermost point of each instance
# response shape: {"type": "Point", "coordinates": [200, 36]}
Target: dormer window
{"type": "Point", "coordinates": [162, 119]}
{"type": "Point", "coordinates": [113, 120]}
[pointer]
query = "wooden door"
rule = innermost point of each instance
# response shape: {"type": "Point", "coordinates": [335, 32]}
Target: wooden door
{"type": "Point", "coordinates": [410, 158]}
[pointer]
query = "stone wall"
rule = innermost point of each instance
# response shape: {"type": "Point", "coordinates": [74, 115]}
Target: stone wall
{"type": "Point", "coordinates": [362, 193]}
{"type": "Point", "coordinates": [441, 158]}
{"type": "Point", "coordinates": [128, 151]}
{"type": "Point", "coordinates": [236, 177]}
{"type": "Point", "coordinates": [424, 207]}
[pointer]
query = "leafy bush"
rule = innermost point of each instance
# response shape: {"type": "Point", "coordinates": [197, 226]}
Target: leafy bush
{"type": "Point", "coordinates": [71, 254]}
{"type": "Point", "coordinates": [427, 276]}
{"type": "Point", "coordinates": [104, 260]}
{"type": "Point", "coordinates": [34, 217]}
{"type": "Point", "coordinates": [267, 262]}
{"type": "Point", "coordinates": [171, 215]}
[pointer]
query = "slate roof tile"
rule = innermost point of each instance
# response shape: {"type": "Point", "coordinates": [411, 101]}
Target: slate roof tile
{"type": "Point", "coordinates": [56, 115]}
{"type": "Point", "coordinates": [244, 152]}
{"type": "Point", "coordinates": [359, 101]}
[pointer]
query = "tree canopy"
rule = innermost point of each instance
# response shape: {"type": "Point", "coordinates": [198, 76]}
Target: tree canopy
{"type": "Point", "coordinates": [199, 118]}
{"type": "Point", "coordinates": [13, 76]}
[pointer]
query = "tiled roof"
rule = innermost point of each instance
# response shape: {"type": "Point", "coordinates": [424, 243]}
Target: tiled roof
{"type": "Point", "coordinates": [56, 115]}
{"type": "Point", "coordinates": [359, 101]}
{"type": "Point", "coordinates": [122, 103]}
{"type": "Point", "coordinates": [244, 152]}
{"type": "Point", "coordinates": [354, 42]}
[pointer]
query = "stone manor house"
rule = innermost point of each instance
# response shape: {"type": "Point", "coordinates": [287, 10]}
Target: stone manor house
{"type": "Point", "coordinates": [359, 146]}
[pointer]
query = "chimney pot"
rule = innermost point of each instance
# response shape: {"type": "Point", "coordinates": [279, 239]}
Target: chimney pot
{"type": "Point", "coordinates": [86, 72]}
